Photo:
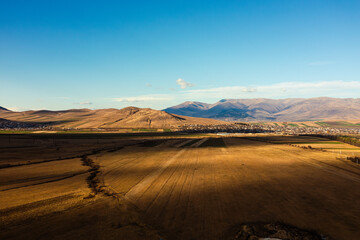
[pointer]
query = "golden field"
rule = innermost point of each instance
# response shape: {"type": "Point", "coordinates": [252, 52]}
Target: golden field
{"type": "Point", "coordinates": [175, 187]}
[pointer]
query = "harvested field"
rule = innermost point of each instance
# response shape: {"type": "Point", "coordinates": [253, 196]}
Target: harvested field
{"type": "Point", "coordinates": [342, 150]}
{"type": "Point", "coordinates": [180, 188]}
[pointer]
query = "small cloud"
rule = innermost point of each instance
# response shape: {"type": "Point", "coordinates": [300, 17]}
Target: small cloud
{"type": "Point", "coordinates": [320, 63]}
{"type": "Point", "coordinates": [141, 99]}
{"type": "Point", "coordinates": [148, 85]}
{"type": "Point", "coordinates": [84, 103]}
{"type": "Point", "coordinates": [249, 90]}
{"type": "Point", "coordinates": [183, 84]}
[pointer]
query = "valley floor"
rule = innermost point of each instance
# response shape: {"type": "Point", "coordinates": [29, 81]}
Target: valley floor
{"type": "Point", "coordinates": [173, 188]}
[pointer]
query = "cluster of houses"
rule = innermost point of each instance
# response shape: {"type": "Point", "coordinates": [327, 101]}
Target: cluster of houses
{"type": "Point", "coordinates": [224, 128]}
{"type": "Point", "coordinates": [7, 124]}
{"type": "Point", "coordinates": [267, 128]}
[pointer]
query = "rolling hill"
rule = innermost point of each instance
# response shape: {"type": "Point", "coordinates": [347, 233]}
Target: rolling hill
{"type": "Point", "coordinates": [261, 109]}
{"type": "Point", "coordinates": [130, 117]}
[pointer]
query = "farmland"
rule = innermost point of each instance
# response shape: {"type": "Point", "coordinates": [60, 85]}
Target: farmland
{"type": "Point", "coordinates": [98, 186]}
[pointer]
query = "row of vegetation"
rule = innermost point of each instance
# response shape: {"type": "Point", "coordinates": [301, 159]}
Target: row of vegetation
{"type": "Point", "coordinates": [352, 140]}
{"type": "Point", "coordinates": [354, 159]}
{"type": "Point", "coordinates": [15, 131]}
{"type": "Point", "coordinates": [346, 139]}
{"type": "Point", "coordinates": [338, 124]}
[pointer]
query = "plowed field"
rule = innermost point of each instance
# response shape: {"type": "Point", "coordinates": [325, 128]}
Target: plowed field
{"type": "Point", "coordinates": [178, 188]}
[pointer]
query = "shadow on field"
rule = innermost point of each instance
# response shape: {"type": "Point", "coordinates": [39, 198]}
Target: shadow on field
{"type": "Point", "coordinates": [203, 193]}
{"type": "Point", "coordinates": [272, 231]}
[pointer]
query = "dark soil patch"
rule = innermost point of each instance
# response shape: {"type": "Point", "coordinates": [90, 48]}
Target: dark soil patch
{"type": "Point", "coordinates": [255, 231]}
{"type": "Point", "coordinates": [190, 143]}
{"type": "Point", "coordinates": [214, 142]}
{"type": "Point", "coordinates": [152, 143]}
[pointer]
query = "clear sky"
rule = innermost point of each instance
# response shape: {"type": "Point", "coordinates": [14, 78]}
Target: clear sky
{"type": "Point", "coordinates": [101, 54]}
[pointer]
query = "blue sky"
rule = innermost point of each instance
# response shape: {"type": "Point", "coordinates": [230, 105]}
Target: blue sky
{"type": "Point", "coordinates": [102, 54]}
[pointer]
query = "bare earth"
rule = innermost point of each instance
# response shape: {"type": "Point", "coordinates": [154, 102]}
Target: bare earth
{"type": "Point", "coordinates": [179, 188]}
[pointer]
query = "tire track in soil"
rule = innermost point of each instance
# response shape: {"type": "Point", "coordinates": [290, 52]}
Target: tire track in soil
{"type": "Point", "coordinates": [320, 165]}
{"type": "Point", "coordinates": [47, 181]}
{"type": "Point", "coordinates": [328, 167]}
{"type": "Point", "coordinates": [79, 155]}
{"type": "Point", "coordinates": [179, 214]}
{"type": "Point", "coordinates": [168, 187]}
{"type": "Point", "coordinates": [96, 187]}
{"type": "Point", "coordinates": [161, 190]}
{"type": "Point", "coordinates": [144, 184]}
{"type": "Point", "coordinates": [174, 223]}
{"type": "Point", "coordinates": [130, 163]}
{"type": "Point", "coordinates": [36, 204]}
{"type": "Point", "coordinates": [219, 198]}
{"type": "Point", "coordinates": [198, 143]}
{"type": "Point", "coordinates": [183, 143]}
{"type": "Point", "coordinates": [321, 162]}
{"type": "Point", "coordinates": [166, 190]}
{"type": "Point", "coordinates": [170, 194]}
{"type": "Point", "coordinates": [191, 189]}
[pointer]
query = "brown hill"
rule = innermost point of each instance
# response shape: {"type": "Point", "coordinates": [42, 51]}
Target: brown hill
{"type": "Point", "coordinates": [130, 117]}
{"type": "Point", "coordinates": [322, 108]}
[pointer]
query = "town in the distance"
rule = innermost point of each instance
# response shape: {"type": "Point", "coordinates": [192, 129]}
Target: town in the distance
{"type": "Point", "coordinates": [326, 116]}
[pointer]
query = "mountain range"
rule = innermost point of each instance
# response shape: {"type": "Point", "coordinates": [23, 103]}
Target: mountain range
{"type": "Point", "coordinates": [129, 117]}
{"type": "Point", "coordinates": [190, 113]}
{"type": "Point", "coordinates": [261, 109]}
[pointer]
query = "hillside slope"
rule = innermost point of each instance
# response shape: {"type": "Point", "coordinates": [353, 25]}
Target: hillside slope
{"type": "Point", "coordinates": [291, 109]}
{"type": "Point", "coordinates": [130, 117]}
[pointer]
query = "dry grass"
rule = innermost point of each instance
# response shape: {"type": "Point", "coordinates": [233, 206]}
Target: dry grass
{"type": "Point", "coordinates": [340, 149]}
{"type": "Point", "coordinates": [180, 192]}
{"type": "Point", "coordinates": [130, 117]}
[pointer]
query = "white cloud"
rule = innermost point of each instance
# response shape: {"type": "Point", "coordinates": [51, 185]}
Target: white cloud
{"type": "Point", "coordinates": [281, 90]}
{"type": "Point", "coordinates": [83, 103]}
{"type": "Point", "coordinates": [342, 89]}
{"type": "Point", "coordinates": [183, 84]}
{"type": "Point", "coordinates": [248, 90]}
{"type": "Point", "coordinates": [144, 98]}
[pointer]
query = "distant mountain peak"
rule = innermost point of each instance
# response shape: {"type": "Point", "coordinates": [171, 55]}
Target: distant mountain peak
{"type": "Point", "coordinates": [192, 102]}
{"type": "Point", "coordinates": [262, 109]}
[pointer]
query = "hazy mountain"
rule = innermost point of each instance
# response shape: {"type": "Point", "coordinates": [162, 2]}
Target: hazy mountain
{"type": "Point", "coordinates": [130, 117]}
{"type": "Point", "coordinates": [291, 109]}
{"type": "Point", "coordinates": [190, 108]}
{"type": "Point", "coordinates": [4, 109]}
